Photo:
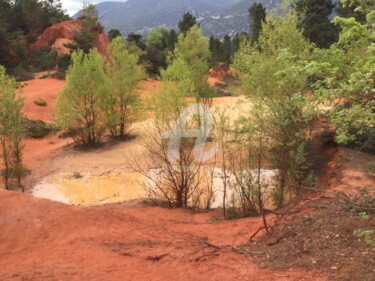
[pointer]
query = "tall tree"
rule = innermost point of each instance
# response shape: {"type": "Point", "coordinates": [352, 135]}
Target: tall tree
{"type": "Point", "coordinates": [11, 130]}
{"type": "Point", "coordinates": [80, 106]}
{"type": "Point", "coordinates": [315, 22]}
{"type": "Point", "coordinates": [347, 74]}
{"type": "Point", "coordinates": [113, 33]}
{"type": "Point", "coordinates": [187, 22]}
{"type": "Point", "coordinates": [123, 100]}
{"type": "Point", "coordinates": [193, 53]}
{"type": "Point", "coordinates": [257, 15]}
{"type": "Point", "coordinates": [172, 39]}
{"type": "Point", "coordinates": [227, 49]}
{"type": "Point", "coordinates": [274, 76]}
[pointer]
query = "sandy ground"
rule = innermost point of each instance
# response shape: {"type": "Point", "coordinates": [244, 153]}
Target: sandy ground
{"type": "Point", "coordinates": [46, 89]}
{"type": "Point", "coordinates": [44, 240]}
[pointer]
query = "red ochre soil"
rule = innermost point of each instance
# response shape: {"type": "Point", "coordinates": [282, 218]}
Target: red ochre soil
{"type": "Point", "coordinates": [63, 32]}
{"type": "Point", "coordinates": [44, 240]}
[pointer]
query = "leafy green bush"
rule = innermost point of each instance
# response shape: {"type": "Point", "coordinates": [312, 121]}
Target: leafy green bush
{"type": "Point", "coordinates": [365, 140]}
{"type": "Point", "coordinates": [43, 58]}
{"type": "Point", "coordinates": [63, 62]}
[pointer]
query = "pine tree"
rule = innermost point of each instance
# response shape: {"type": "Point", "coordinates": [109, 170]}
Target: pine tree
{"type": "Point", "coordinates": [257, 15]}
{"type": "Point", "coordinates": [113, 33]}
{"type": "Point", "coordinates": [227, 49]}
{"type": "Point", "coordinates": [187, 22]}
{"type": "Point", "coordinates": [315, 22]}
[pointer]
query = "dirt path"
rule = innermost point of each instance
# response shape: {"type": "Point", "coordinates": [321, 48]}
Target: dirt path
{"type": "Point", "coordinates": [43, 240]}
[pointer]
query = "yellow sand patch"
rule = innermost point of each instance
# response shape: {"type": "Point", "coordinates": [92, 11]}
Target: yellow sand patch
{"type": "Point", "coordinates": [97, 190]}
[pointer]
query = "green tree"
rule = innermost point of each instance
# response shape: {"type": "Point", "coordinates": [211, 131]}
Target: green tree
{"type": "Point", "coordinates": [80, 106]}
{"type": "Point", "coordinates": [350, 12]}
{"type": "Point", "coordinates": [113, 33]}
{"type": "Point", "coordinates": [137, 39]}
{"type": "Point", "coordinates": [257, 16]}
{"type": "Point", "coordinates": [346, 72]}
{"type": "Point", "coordinates": [86, 37]}
{"type": "Point", "coordinates": [227, 49]}
{"type": "Point", "coordinates": [187, 22]}
{"type": "Point", "coordinates": [172, 39]}
{"type": "Point", "coordinates": [192, 54]}
{"type": "Point", "coordinates": [315, 22]}
{"type": "Point", "coordinates": [11, 130]}
{"type": "Point", "coordinates": [123, 100]}
{"type": "Point", "coordinates": [158, 37]}
{"type": "Point", "coordinates": [275, 75]}
{"type": "Point", "coordinates": [216, 49]}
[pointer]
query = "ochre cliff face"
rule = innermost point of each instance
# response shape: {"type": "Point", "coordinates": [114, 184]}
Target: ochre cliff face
{"type": "Point", "coordinates": [63, 32]}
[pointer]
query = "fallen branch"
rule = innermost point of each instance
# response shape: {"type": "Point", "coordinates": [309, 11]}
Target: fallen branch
{"type": "Point", "coordinates": [157, 258]}
{"type": "Point", "coordinates": [256, 232]}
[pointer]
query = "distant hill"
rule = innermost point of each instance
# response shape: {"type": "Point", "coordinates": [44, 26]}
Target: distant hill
{"type": "Point", "coordinates": [216, 17]}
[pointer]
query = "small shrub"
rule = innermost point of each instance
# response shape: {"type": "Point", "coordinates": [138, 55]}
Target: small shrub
{"type": "Point", "coordinates": [40, 102]}
{"type": "Point", "coordinates": [364, 216]}
{"type": "Point", "coordinates": [43, 58]}
{"type": "Point", "coordinates": [365, 140]}
{"type": "Point", "coordinates": [36, 128]}
{"type": "Point", "coordinates": [363, 202]}
{"type": "Point", "coordinates": [366, 235]}
{"type": "Point", "coordinates": [21, 73]}
{"type": "Point", "coordinates": [63, 63]}
{"type": "Point", "coordinates": [60, 75]}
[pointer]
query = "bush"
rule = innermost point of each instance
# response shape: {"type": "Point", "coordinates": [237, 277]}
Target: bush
{"type": "Point", "coordinates": [40, 102]}
{"type": "Point", "coordinates": [36, 128]}
{"type": "Point", "coordinates": [63, 63]}
{"type": "Point", "coordinates": [43, 58]}
{"type": "Point", "coordinates": [21, 73]}
{"type": "Point", "coordinates": [365, 140]}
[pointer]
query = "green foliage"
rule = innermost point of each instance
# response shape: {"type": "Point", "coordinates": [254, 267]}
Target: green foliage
{"type": "Point", "coordinates": [364, 216]}
{"type": "Point", "coordinates": [40, 102]}
{"type": "Point", "coordinates": [80, 104]}
{"type": "Point", "coordinates": [366, 235]}
{"type": "Point", "coordinates": [22, 73]}
{"type": "Point", "coordinates": [188, 64]}
{"type": "Point", "coordinates": [86, 37]}
{"type": "Point", "coordinates": [113, 33]}
{"type": "Point", "coordinates": [347, 74]}
{"type": "Point", "coordinates": [123, 101]}
{"type": "Point", "coordinates": [21, 22]}
{"type": "Point", "coordinates": [158, 37]}
{"type": "Point", "coordinates": [44, 58]}
{"type": "Point", "coordinates": [187, 22]}
{"type": "Point", "coordinates": [315, 22]}
{"type": "Point", "coordinates": [159, 42]}
{"type": "Point", "coordinates": [257, 16]}
{"type": "Point", "coordinates": [274, 73]}
{"type": "Point", "coordinates": [36, 128]}
{"type": "Point", "coordinates": [11, 126]}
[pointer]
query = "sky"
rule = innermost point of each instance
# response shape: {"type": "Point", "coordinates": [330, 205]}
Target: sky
{"type": "Point", "coordinates": [73, 6]}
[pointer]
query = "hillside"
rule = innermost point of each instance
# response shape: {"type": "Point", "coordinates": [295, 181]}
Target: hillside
{"type": "Point", "coordinates": [140, 16]}
{"type": "Point", "coordinates": [63, 33]}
